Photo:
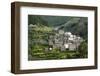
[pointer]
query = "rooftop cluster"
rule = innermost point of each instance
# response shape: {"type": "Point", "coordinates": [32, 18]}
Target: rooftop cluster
{"type": "Point", "coordinates": [64, 40]}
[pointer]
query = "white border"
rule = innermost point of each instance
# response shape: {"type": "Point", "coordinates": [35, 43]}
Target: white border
{"type": "Point", "coordinates": [25, 64]}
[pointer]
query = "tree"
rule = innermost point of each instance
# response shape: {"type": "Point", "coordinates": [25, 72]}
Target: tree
{"type": "Point", "coordinates": [82, 49]}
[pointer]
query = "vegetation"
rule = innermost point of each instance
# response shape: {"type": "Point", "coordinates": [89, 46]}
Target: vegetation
{"type": "Point", "coordinates": [83, 48]}
{"type": "Point", "coordinates": [38, 36]}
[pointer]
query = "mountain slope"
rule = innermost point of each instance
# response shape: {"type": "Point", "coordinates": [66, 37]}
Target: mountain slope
{"type": "Point", "coordinates": [75, 25]}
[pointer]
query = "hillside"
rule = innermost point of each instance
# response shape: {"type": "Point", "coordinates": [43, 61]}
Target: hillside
{"type": "Point", "coordinates": [76, 25]}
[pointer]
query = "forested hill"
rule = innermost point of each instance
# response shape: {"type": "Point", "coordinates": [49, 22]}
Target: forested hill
{"type": "Point", "coordinates": [76, 25]}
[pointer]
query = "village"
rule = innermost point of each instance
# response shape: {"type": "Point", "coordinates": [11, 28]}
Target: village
{"type": "Point", "coordinates": [59, 40]}
{"type": "Point", "coordinates": [64, 41]}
